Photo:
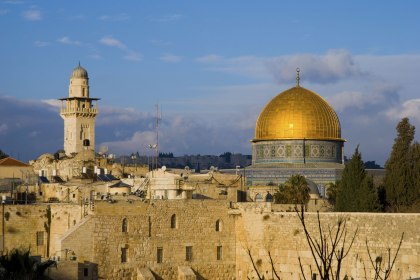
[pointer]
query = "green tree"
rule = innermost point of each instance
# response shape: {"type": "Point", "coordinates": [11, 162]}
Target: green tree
{"type": "Point", "coordinates": [332, 189]}
{"type": "Point", "coordinates": [414, 191]}
{"type": "Point", "coordinates": [356, 191]}
{"type": "Point", "coordinates": [399, 180]}
{"type": "Point", "coordinates": [19, 264]}
{"type": "Point", "coordinates": [294, 191]}
{"type": "Point", "coordinates": [3, 154]}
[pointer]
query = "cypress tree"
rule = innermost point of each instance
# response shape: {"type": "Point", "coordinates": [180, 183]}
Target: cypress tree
{"type": "Point", "coordinates": [356, 191]}
{"type": "Point", "coordinates": [368, 199]}
{"type": "Point", "coordinates": [414, 190]}
{"type": "Point", "coordinates": [398, 180]}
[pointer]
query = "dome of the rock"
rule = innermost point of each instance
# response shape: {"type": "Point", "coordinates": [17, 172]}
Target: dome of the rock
{"type": "Point", "coordinates": [298, 113]}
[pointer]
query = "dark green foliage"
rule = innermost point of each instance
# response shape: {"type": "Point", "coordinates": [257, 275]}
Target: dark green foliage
{"type": "Point", "coordinates": [19, 264]}
{"type": "Point", "coordinates": [293, 191]}
{"type": "Point", "coordinates": [356, 192]}
{"type": "Point", "coordinates": [401, 179]}
{"type": "Point", "coordinates": [3, 154]}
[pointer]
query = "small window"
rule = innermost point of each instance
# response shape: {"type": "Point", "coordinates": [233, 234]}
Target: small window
{"type": "Point", "coordinates": [218, 225]}
{"type": "Point", "coordinates": [124, 255]}
{"type": "Point", "coordinates": [159, 255]}
{"type": "Point", "coordinates": [219, 253]}
{"type": "Point", "coordinates": [40, 238]}
{"type": "Point", "coordinates": [124, 226]}
{"type": "Point", "coordinates": [74, 195]}
{"type": "Point", "coordinates": [85, 272]}
{"type": "Point", "coordinates": [188, 253]}
{"type": "Point", "coordinates": [173, 221]}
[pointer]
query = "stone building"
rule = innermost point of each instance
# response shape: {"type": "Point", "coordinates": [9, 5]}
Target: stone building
{"type": "Point", "coordinates": [79, 112]}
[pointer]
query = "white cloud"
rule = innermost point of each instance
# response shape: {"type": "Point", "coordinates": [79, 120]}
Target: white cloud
{"type": "Point", "coordinates": [210, 58]}
{"type": "Point", "coordinates": [409, 109]}
{"type": "Point", "coordinates": [41, 44]}
{"type": "Point", "coordinates": [138, 141]}
{"type": "Point", "coordinates": [112, 42]}
{"type": "Point", "coordinates": [334, 65]}
{"type": "Point", "coordinates": [67, 41]}
{"type": "Point", "coordinates": [114, 115]}
{"type": "Point", "coordinates": [328, 68]}
{"type": "Point", "coordinates": [171, 58]}
{"type": "Point", "coordinates": [129, 54]}
{"type": "Point", "coordinates": [52, 102]}
{"type": "Point", "coordinates": [117, 17]}
{"type": "Point", "coordinates": [377, 97]}
{"type": "Point", "coordinates": [32, 14]}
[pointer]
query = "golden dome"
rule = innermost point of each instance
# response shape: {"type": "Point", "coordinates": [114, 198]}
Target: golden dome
{"type": "Point", "coordinates": [298, 113]}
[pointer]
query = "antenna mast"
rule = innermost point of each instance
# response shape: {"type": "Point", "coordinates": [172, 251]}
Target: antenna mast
{"type": "Point", "coordinates": [158, 118]}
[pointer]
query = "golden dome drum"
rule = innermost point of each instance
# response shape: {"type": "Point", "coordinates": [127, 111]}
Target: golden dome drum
{"type": "Point", "coordinates": [298, 113]}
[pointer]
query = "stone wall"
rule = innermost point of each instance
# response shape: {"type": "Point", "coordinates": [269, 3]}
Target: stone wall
{"type": "Point", "coordinates": [22, 225]}
{"type": "Point", "coordinates": [281, 233]}
{"type": "Point", "coordinates": [102, 238]}
{"type": "Point", "coordinates": [149, 227]}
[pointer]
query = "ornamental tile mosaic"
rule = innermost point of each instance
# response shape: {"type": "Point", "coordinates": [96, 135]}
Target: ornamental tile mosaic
{"type": "Point", "coordinates": [315, 151]}
{"type": "Point", "coordinates": [281, 151]}
{"type": "Point", "coordinates": [297, 151]}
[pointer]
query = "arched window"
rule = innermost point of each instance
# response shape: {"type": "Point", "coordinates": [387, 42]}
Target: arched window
{"type": "Point", "coordinates": [124, 226]}
{"type": "Point", "coordinates": [219, 225]}
{"type": "Point", "coordinates": [173, 221]}
{"type": "Point", "coordinates": [258, 197]}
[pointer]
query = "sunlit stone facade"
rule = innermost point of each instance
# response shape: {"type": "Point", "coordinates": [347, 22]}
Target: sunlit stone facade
{"type": "Point", "coordinates": [79, 112]}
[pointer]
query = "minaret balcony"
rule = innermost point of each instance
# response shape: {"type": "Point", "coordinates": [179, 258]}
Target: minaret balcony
{"type": "Point", "coordinates": [89, 111]}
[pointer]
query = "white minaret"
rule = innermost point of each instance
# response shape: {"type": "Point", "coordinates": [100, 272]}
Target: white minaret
{"type": "Point", "coordinates": [79, 113]}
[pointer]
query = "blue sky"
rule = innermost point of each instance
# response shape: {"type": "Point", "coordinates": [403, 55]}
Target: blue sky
{"type": "Point", "coordinates": [212, 65]}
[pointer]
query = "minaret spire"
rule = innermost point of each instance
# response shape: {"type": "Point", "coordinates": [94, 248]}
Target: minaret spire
{"type": "Point", "coordinates": [297, 77]}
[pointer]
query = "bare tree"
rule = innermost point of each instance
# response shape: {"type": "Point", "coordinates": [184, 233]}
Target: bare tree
{"type": "Point", "coordinates": [328, 247]}
{"type": "Point", "coordinates": [260, 276]}
{"type": "Point", "coordinates": [383, 273]}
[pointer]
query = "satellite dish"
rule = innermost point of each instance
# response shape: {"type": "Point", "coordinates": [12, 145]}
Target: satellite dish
{"type": "Point", "coordinates": [187, 168]}
{"type": "Point", "coordinates": [164, 168]}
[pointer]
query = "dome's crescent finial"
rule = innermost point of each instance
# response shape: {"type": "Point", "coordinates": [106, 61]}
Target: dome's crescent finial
{"type": "Point", "coordinates": [297, 77]}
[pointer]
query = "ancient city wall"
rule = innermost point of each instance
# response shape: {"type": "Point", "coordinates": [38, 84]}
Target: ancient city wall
{"type": "Point", "coordinates": [281, 233]}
